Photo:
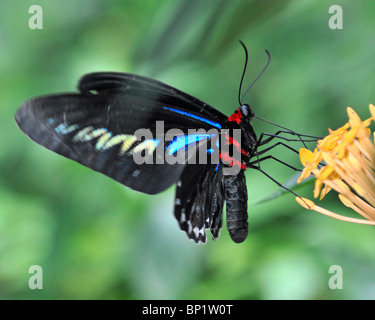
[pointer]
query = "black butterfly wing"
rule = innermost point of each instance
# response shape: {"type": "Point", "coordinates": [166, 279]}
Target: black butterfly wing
{"type": "Point", "coordinates": [97, 130]}
{"type": "Point", "coordinates": [139, 86]}
{"type": "Point", "coordinates": [80, 127]}
{"type": "Point", "coordinates": [199, 201]}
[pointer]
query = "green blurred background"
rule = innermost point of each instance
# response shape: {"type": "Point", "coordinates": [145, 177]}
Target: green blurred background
{"type": "Point", "coordinates": [96, 239]}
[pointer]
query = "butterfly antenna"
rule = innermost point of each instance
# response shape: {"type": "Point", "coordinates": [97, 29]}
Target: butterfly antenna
{"type": "Point", "coordinates": [243, 73]}
{"type": "Point", "coordinates": [240, 99]}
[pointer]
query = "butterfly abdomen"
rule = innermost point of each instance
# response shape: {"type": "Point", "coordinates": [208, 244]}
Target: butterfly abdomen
{"type": "Point", "coordinates": [236, 201]}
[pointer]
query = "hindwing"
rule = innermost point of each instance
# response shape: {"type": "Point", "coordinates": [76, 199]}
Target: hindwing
{"type": "Point", "coordinates": [199, 201]}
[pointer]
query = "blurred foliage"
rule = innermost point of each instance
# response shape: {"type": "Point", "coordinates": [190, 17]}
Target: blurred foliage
{"type": "Point", "coordinates": [96, 239]}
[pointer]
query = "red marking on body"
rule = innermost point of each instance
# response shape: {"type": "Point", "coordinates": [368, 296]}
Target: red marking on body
{"type": "Point", "coordinates": [236, 116]}
{"type": "Point", "coordinates": [230, 161]}
{"type": "Point", "coordinates": [230, 140]}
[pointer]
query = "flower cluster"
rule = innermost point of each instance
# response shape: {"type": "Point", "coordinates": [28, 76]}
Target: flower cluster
{"type": "Point", "coordinates": [344, 161]}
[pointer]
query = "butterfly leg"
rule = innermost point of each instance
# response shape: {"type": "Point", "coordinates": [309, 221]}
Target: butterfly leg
{"type": "Point", "coordinates": [257, 153]}
{"type": "Point", "coordinates": [256, 164]}
{"type": "Point", "coordinates": [277, 182]}
{"type": "Point", "coordinates": [270, 137]}
{"type": "Point", "coordinates": [275, 145]}
{"type": "Point", "coordinates": [302, 137]}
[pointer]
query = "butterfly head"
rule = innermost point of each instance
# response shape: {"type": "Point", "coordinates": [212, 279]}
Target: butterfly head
{"type": "Point", "coordinates": [246, 112]}
{"type": "Point", "coordinates": [243, 114]}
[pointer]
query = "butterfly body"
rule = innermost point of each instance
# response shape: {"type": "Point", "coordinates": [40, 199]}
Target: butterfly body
{"type": "Point", "coordinates": [97, 128]}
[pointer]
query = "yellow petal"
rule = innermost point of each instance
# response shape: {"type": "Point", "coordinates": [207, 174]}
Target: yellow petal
{"type": "Point", "coordinates": [372, 110]}
{"type": "Point", "coordinates": [306, 156]}
{"type": "Point", "coordinates": [318, 187]}
{"type": "Point", "coordinates": [324, 191]}
{"type": "Point", "coordinates": [349, 136]}
{"type": "Point", "coordinates": [354, 119]}
{"type": "Point", "coordinates": [317, 157]}
{"type": "Point", "coordinates": [325, 172]}
{"type": "Point", "coordinates": [368, 132]}
{"type": "Point", "coordinates": [367, 122]}
{"type": "Point", "coordinates": [305, 173]}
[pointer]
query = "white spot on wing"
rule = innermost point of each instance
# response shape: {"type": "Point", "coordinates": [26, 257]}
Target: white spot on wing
{"type": "Point", "coordinates": [190, 227]}
{"type": "Point", "coordinates": [198, 231]}
{"type": "Point", "coordinates": [88, 134]}
{"type": "Point", "coordinates": [183, 216]}
{"type": "Point", "coordinates": [136, 173]}
{"type": "Point", "coordinates": [103, 140]}
{"type": "Point", "coordinates": [65, 129]}
{"type": "Point", "coordinates": [82, 133]}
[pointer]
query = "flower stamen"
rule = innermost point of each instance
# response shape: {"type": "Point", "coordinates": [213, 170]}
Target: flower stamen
{"type": "Point", "coordinates": [348, 168]}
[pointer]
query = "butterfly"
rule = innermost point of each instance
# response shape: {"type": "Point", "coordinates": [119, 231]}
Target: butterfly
{"type": "Point", "coordinates": [97, 127]}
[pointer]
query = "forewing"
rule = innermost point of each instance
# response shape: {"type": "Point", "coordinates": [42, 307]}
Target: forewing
{"type": "Point", "coordinates": [98, 132]}
{"type": "Point", "coordinates": [150, 89]}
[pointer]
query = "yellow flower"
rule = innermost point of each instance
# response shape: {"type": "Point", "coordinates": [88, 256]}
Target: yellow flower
{"type": "Point", "coordinates": [344, 161]}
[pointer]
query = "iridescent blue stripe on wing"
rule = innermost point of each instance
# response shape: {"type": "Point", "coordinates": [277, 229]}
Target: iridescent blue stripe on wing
{"type": "Point", "coordinates": [217, 166]}
{"type": "Point", "coordinates": [181, 142]}
{"type": "Point", "coordinates": [210, 151]}
{"type": "Point", "coordinates": [212, 123]}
